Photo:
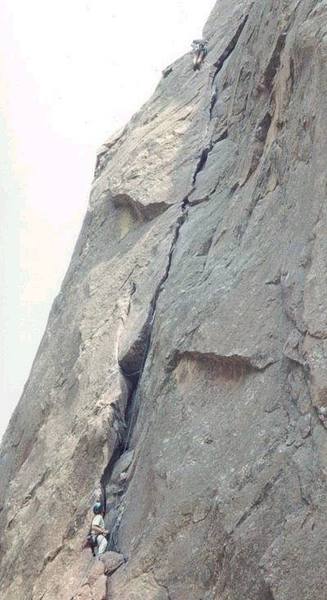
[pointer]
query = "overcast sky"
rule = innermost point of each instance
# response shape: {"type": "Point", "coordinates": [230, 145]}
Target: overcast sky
{"type": "Point", "coordinates": [71, 73]}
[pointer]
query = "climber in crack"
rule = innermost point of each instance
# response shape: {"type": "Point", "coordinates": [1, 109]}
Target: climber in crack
{"type": "Point", "coordinates": [98, 530]}
{"type": "Point", "coordinates": [200, 51]}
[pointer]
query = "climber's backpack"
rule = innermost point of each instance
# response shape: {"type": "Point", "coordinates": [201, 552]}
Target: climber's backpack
{"type": "Point", "coordinates": [91, 542]}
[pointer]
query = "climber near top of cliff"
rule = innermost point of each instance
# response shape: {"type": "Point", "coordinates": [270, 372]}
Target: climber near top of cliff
{"type": "Point", "coordinates": [200, 51]}
{"type": "Point", "coordinates": [98, 531]}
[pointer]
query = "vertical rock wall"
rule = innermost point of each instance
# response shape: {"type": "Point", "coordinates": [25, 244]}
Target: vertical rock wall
{"type": "Point", "coordinates": [183, 365]}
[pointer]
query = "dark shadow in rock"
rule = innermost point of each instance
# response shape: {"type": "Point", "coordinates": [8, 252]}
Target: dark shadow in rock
{"type": "Point", "coordinates": [140, 211]}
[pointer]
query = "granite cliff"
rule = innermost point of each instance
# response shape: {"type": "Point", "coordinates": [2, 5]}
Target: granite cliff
{"type": "Point", "coordinates": [183, 367]}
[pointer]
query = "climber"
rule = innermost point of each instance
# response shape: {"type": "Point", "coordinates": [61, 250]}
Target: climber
{"type": "Point", "coordinates": [200, 51]}
{"type": "Point", "coordinates": [98, 531]}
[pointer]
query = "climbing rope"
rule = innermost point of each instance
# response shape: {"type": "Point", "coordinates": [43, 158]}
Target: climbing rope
{"type": "Point", "coordinates": [85, 575]}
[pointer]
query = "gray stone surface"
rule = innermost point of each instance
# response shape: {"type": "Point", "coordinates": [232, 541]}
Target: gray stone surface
{"type": "Point", "coordinates": [184, 362]}
{"type": "Point", "coordinates": [111, 562]}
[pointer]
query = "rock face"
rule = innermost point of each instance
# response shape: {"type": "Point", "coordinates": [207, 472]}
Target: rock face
{"type": "Point", "coordinates": [182, 374]}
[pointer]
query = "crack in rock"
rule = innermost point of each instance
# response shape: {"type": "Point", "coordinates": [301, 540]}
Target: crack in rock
{"type": "Point", "coordinates": [260, 498]}
{"type": "Point", "coordinates": [201, 163]}
{"type": "Point", "coordinates": [222, 59]}
{"type": "Point", "coordinates": [133, 379]}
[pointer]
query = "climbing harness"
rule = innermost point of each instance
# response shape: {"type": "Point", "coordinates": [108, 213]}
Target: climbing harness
{"type": "Point", "coordinates": [91, 542]}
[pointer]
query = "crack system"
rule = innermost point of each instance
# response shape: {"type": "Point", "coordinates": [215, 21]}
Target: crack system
{"type": "Point", "coordinates": [133, 378]}
{"type": "Point", "coordinates": [229, 49]}
{"type": "Point", "coordinates": [222, 59]}
{"type": "Point", "coordinates": [204, 152]}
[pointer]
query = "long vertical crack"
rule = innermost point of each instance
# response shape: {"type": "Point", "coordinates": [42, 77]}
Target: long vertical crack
{"type": "Point", "coordinates": [221, 61]}
{"type": "Point", "coordinates": [229, 49]}
{"type": "Point", "coordinates": [204, 152]}
{"type": "Point", "coordinates": [133, 377]}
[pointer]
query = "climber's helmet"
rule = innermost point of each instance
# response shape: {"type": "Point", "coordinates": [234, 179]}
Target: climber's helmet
{"type": "Point", "coordinates": [97, 508]}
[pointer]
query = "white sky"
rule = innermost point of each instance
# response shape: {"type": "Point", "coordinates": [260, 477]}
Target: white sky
{"type": "Point", "coordinates": [71, 73]}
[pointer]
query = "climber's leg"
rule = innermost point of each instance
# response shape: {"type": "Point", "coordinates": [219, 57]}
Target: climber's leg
{"type": "Point", "coordinates": [102, 544]}
{"type": "Point", "coordinates": [196, 63]}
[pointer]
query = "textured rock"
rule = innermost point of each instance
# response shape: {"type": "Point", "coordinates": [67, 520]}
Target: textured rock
{"type": "Point", "coordinates": [94, 587]}
{"type": "Point", "coordinates": [111, 562]}
{"type": "Point", "coordinates": [184, 362]}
